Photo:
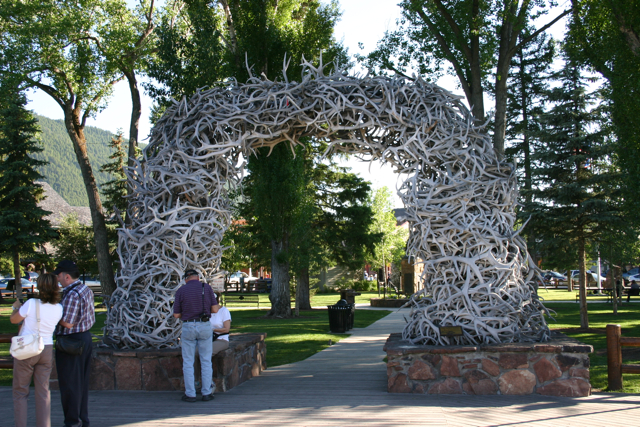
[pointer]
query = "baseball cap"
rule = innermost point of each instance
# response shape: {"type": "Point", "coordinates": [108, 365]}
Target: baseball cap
{"type": "Point", "coordinates": [66, 266]}
{"type": "Point", "coordinates": [190, 273]}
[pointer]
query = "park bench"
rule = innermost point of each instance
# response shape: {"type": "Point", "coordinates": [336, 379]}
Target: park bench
{"type": "Point", "coordinates": [6, 362]}
{"type": "Point", "coordinates": [240, 299]}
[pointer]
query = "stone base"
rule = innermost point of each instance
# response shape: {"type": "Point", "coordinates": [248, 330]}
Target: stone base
{"type": "Point", "coordinates": [391, 303]}
{"type": "Point", "coordinates": [161, 370]}
{"type": "Point", "coordinates": [559, 367]}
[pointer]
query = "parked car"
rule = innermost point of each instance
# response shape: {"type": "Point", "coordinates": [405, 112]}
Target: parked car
{"type": "Point", "coordinates": [33, 276]}
{"type": "Point", "coordinates": [635, 277]}
{"type": "Point", "coordinates": [235, 277]}
{"type": "Point", "coordinates": [92, 283]}
{"type": "Point", "coordinates": [592, 278]}
{"type": "Point", "coordinates": [633, 272]}
{"type": "Point", "coordinates": [26, 285]}
{"type": "Point", "coordinates": [554, 275]}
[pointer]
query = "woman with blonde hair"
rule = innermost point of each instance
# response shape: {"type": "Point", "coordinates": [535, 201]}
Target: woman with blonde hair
{"type": "Point", "coordinates": [38, 367]}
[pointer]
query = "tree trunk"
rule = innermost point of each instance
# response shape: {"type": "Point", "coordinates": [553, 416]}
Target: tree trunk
{"type": "Point", "coordinates": [134, 126]}
{"type": "Point", "coordinates": [75, 129]}
{"type": "Point", "coordinates": [582, 265]}
{"type": "Point", "coordinates": [17, 274]}
{"type": "Point", "coordinates": [280, 296]}
{"type": "Point", "coordinates": [303, 301]}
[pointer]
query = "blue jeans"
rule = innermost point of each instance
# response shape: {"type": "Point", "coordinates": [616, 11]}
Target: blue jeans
{"type": "Point", "coordinates": [200, 335]}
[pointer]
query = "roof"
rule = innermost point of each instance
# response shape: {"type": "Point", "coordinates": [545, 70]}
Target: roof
{"type": "Point", "coordinates": [401, 216]}
{"type": "Point", "coordinates": [59, 207]}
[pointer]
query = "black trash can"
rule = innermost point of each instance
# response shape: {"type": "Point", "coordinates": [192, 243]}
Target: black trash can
{"type": "Point", "coordinates": [341, 316]}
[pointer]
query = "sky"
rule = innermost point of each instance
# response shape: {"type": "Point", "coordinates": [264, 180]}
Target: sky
{"type": "Point", "coordinates": [363, 21]}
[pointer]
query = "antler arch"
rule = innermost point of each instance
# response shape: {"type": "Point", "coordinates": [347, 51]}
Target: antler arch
{"type": "Point", "coordinates": [460, 200]}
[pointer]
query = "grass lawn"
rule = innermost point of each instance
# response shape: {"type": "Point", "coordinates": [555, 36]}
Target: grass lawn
{"type": "Point", "coordinates": [551, 294]}
{"type": "Point", "coordinates": [600, 314]}
{"type": "Point", "coordinates": [318, 300]}
{"type": "Point", "coordinates": [288, 340]}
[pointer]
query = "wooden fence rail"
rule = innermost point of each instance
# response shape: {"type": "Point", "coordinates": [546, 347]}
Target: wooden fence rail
{"type": "Point", "coordinates": [615, 342]}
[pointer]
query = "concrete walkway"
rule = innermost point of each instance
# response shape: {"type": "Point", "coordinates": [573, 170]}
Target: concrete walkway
{"type": "Point", "coordinates": [345, 385]}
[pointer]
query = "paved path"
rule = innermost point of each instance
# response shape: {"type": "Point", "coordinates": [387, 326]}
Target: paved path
{"type": "Point", "coordinates": [344, 385]}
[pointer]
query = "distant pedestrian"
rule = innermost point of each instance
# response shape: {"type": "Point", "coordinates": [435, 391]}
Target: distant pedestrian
{"type": "Point", "coordinates": [74, 370]}
{"type": "Point", "coordinates": [194, 302]}
{"type": "Point", "coordinates": [36, 367]}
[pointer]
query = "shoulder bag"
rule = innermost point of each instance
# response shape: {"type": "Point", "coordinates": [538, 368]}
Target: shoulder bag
{"type": "Point", "coordinates": [26, 346]}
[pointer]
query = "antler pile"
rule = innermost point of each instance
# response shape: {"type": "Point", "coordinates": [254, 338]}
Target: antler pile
{"type": "Point", "coordinates": [460, 200]}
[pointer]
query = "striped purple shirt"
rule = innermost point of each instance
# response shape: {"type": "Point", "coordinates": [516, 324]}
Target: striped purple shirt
{"type": "Point", "coordinates": [77, 309]}
{"type": "Point", "coordinates": [189, 300]}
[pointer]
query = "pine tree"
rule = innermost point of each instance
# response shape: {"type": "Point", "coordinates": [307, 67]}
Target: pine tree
{"type": "Point", "coordinates": [574, 199]}
{"type": "Point", "coordinates": [22, 222]}
{"type": "Point", "coordinates": [528, 83]}
{"type": "Point", "coordinates": [115, 190]}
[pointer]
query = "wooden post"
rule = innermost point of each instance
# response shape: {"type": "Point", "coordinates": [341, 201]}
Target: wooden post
{"type": "Point", "coordinates": [614, 357]}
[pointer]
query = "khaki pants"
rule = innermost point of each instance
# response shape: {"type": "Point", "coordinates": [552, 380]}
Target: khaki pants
{"type": "Point", "coordinates": [219, 345]}
{"type": "Point", "coordinates": [38, 367]}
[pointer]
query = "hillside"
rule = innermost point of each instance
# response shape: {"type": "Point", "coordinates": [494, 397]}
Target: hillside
{"type": "Point", "coordinates": [63, 172]}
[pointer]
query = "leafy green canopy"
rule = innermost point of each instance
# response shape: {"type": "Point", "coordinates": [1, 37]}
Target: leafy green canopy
{"type": "Point", "coordinates": [470, 39]}
{"type": "Point", "coordinates": [605, 34]}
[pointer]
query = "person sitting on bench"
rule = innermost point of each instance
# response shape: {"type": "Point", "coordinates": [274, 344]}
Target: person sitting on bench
{"type": "Point", "coordinates": [634, 290]}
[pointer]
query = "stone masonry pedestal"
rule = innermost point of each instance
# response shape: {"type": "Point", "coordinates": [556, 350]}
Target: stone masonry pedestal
{"type": "Point", "coordinates": [559, 367]}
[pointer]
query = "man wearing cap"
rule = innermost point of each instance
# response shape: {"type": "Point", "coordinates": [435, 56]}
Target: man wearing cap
{"type": "Point", "coordinates": [74, 370]}
{"type": "Point", "coordinates": [194, 302]}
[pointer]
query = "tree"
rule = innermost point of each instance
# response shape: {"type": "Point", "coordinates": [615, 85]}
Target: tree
{"type": "Point", "coordinates": [202, 43]}
{"type": "Point", "coordinates": [52, 48]}
{"type": "Point", "coordinates": [474, 39]}
{"type": "Point", "coordinates": [334, 226]}
{"type": "Point", "coordinates": [115, 190]}
{"type": "Point", "coordinates": [576, 199]}
{"type": "Point", "coordinates": [126, 40]}
{"type": "Point", "coordinates": [275, 214]}
{"type": "Point", "coordinates": [528, 83]}
{"type": "Point", "coordinates": [22, 222]}
{"type": "Point", "coordinates": [605, 34]}
{"type": "Point", "coordinates": [75, 242]}
{"type": "Point", "coordinates": [391, 247]}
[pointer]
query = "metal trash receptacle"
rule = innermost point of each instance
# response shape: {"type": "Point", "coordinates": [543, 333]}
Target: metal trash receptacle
{"type": "Point", "coordinates": [341, 316]}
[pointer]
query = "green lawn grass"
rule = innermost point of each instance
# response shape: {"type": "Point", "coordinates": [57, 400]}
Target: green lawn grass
{"type": "Point", "coordinates": [567, 316]}
{"type": "Point", "coordinates": [288, 340]}
{"type": "Point", "coordinates": [318, 300]}
{"type": "Point", "coordinates": [551, 294]}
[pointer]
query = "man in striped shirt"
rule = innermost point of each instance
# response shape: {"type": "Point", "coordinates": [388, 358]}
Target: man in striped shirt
{"type": "Point", "coordinates": [194, 302]}
{"type": "Point", "coordinates": [74, 370]}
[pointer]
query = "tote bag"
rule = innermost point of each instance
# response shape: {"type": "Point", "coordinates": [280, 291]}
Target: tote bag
{"type": "Point", "coordinates": [26, 346]}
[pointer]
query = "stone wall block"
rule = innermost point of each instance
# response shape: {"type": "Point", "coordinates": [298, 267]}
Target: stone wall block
{"type": "Point", "coordinates": [154, 378]}
{"type": "Point", "coordinates": [479, 383]}
{"type": "Point", "coordinates": [490, 367]}
{"type": "Point", "coordinates": [102, 376]}
{"type": "Point", "coordinates": [565, 361]}
{"type": "Point", "coordinates": [513, 360]}
{"type": "Point", "coordinates": [448, 386]}
{"type": "Point", "coordinates": [172, 366]}
{"type": "Point", "coordinates": [546, 370]}
{"type": "Point", "coordinates": [572, 387]}
{"type": "Point", "coordinates": [579, 372]}
{"type": "Point", "coordinates": [128, 374]}
{"type": "Point", "coordinates": [432, 359]}
{"type": "Point", "coordinates": [398, 384]}
{"type": "Point", "coordinates": [449, 367]}
{"type": "Point", "coordinates": [421, 371]}
{"type": "Point", "coordinates": [517, 382]}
